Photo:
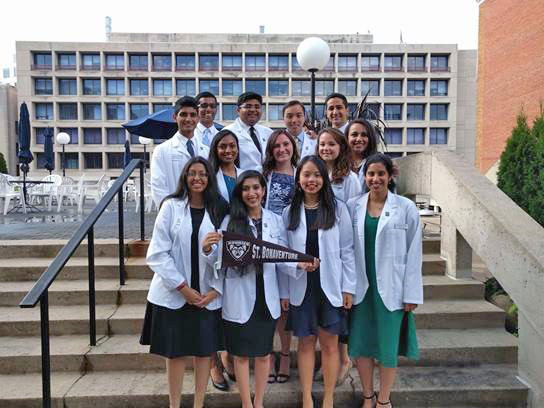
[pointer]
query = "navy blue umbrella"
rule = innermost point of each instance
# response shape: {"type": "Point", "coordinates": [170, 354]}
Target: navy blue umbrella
{"type": "Point", "coordinates": [24, 155]}
{"type": "Point", "coordinates": [48, 150]}
{"type": "Point", "coordinates": [127, 156]}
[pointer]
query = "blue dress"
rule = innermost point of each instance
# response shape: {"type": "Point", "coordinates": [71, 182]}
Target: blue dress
{"type": "Point", "coordinates": [230, 182]}
{"type": "Point", "coordinates": [282, 189]}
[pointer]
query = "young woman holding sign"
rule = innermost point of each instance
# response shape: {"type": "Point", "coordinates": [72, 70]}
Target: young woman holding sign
{"type": "Point", "coordinates": [320, 293]}
{"type": "Point", "coordinates": [184, 301]}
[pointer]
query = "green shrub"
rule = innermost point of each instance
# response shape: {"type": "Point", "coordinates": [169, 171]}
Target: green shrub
{"type": "Point", "coordinates": [3, 165]}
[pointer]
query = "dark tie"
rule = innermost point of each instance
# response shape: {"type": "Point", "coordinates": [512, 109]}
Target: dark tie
{"type": "Point", "coordinates": [253, 135]}
{"type": "Point", "coordinates": [190, 148]}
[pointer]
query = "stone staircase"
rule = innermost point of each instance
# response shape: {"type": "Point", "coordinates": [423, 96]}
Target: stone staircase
{"type": "Point", "coordinates": [467, 358]}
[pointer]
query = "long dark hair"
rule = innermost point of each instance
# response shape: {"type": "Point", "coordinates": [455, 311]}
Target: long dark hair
{"type": "Point", "coordinates": [269, 163]}
{"type": "Point", "coordinates": [238, 221]}
{"type": "Point", "coordinates": [213, 157]}
{"type": "Point", "coordinates": [387, 162]}
{"type": "Point", "coordinates": [372, 146]}
{"type": "Point", "coordinates": [215, 204]}
{"type": "Point", "coordinates": [326, 211]}
{"type": "Point", "coordinates": [343, 163]}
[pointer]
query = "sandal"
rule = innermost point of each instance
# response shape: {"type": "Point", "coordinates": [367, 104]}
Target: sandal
{"type": "Point", "coordinates": [283, 378]}
{"type": "Point", "coordinates": [272, 377]}
{"type": "Point", "coordinates": [378, 402]}
{"type": "Point", "coordinates": [374, 395]}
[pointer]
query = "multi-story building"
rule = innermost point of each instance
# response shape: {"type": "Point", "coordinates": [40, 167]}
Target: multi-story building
{"type": "Point", "coordinates": [90, 89]}
{"type": "Point", "coordinates": [8, 126]}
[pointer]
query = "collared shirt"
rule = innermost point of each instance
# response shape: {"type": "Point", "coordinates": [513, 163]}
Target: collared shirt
{"type": "Point", "coordinates": [250, 157]}
{"type": "Point", "coordinates": [200, 132]}
{"type": "Point", "coordinates": [343, 127]}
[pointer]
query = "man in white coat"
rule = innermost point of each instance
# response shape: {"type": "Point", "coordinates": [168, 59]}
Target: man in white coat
{"type": "Point", "coordinates": [170, 157]}
{"type": "Point", "coordinates": [206, 128]}
{"type": "Point", "coordinates": [294, 115]}
{"type": "Point", "coordinates": [336, 111]}
{"type": "Point", "coordinates": [252, 138]}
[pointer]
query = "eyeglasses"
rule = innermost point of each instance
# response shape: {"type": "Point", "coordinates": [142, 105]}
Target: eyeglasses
{"type": "Point", "coordinates": [201, 175]}
{"type": "Point", "coordinates": [207, 105]}
{"type": "Point", "coordinates": [249, 107]}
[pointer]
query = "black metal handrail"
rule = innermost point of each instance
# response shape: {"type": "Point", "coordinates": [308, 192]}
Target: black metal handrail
{"type": "Point", "coordinates": [39, 292]}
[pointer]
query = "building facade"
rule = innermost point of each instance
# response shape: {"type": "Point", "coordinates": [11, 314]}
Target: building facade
{"type": "Point", "coordinates": [8, 126]}
{"type": "Point", "coordinates": [90, 89]}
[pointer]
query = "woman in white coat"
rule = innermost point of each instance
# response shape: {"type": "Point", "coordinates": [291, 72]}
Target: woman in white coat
{"type": "Point", "coordinates": [388, 242]}
{"type": "Point", "coordinates": [184, 301]}
{"type": "Point", "coordinates": [320, 293]}
{"type": "Point", "coordinates": [362, 142]}
{"type": "Point", "coordinates": [224, 160]}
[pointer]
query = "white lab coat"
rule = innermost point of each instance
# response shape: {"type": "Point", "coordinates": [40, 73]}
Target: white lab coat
{"type": "Point", "coordinates": [222, 186]}
{"type": "Point", "coordinates": [349, 187]}
{"type": "Point", "coordinates": [169, 256]}
{"type": "Point", "coordinates": [239, 291]}
{"type": "Point", "coordinates": [308, 146]}
{"type": "Point", "coordinates": [250, 158]}
{"type": "Point", "coordinates": [168, 161]}
{"type": "Point", "coordinates": [398, 251]}
{"type": "Point", "coordinates": [337, 267]}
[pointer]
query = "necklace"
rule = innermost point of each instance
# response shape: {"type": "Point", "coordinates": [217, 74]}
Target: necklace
{"type": "Point", "coordinates": [311, 207]}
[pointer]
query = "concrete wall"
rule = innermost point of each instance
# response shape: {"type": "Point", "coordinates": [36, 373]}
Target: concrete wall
{"type": "Point", "coordinates": [8, 119]}
{"type": "Point", "coordinates": [466, 104]}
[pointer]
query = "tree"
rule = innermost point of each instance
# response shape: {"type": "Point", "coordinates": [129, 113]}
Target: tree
{"type": "Point", "coordinates": [535, 173]}
{"type": "Point", "coordinates": [3, 165]}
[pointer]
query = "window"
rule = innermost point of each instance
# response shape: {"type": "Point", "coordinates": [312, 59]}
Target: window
{"type": "Point", "coordinates": [278, 62]}
{"type": "Point", "coordinates": [392, 87]}
{"type": "Point", "coordinates": [375, 108]}
{"type": "Point", "coordinates": [438, 136]}
{"type": "Point", "coordinates": [40, 160]}
{"type": "Point", "coordinates": [92, 160]}
{"type": "Point", "coordinates": [256, 85]}
{"type": "Point", "coordinates": [185, 62]}
{"type": "Point", "coordinates": [185, 87]}
{"type": "Point", "coordinates": [392, 111]}
{"type": "Point", "coordinates": [416, 63]}
{"type": "Point", "coordinates": [416, 87]}
{"type": "Point", "coordinates": [347, 87]}
{"type": "Point", "coordinates": [162, 87]}
{"type": "Point", "coordinates": [42, 60]}
{"type": "Point", "coordinates": [139, 87]}
{"type": "Point", "coordinates": [43, 86]}
{"type": "Point", "coordinates": [439, 63]}
{"type": "Point", "coordinates": [115, 160]}
{"type": "Point", "coordinates": [138, 155]}
{"type": "Point", "coordinates": [232, 62]}
{"type": "Point", "coordinates": [209, 85]}
{"type": "Point", "coordinates": [439, 87]}
{"type": "Point", "coordinates": [439, 111]}
{"type": "Point", "coordinates": [92, 111]}
{"type": "Point", "coordinates": [371, 62]}
{"type": "Point", "coordinates": [229, 111]}
{"type": "Point", "coordinates": [40, 135]}
{"type": "Point", "coordinates": [115, 62]}
{"type": "Point", "coordinates": [115, 111]}
{"type": "Point", "coordinates": [67, 111]}
{"type": "Point", "coordinates": [115, 87]}
{"type": "Point", "coordinates": [255, 63]}
{"type": "Point", "coordinates": [274, 112]}
{"type": "Point", "coordinates": [91, 87]}
{"type": "Point", "coordinates": [90, 62]}
{"type": "Point", "coordinates": [278, 87]}
{"type": "Point", "coordinates": [157, 107]}
{"type": "Point", "coordinates": [208, 62]}
{"type": "Point", "coordinates": [44, 111]}
{"type": "Point", "coordinates": [67, 86]}
{"type": "Point", "coordinates": [162, 62]}
{"type": "Point", "coordinates": [392, 63]}
{"type": "Point", "coordinates": [115, 136]}
{"type": "Point", "coordinates": [134, 139]}
{"type": "Point", "coordinates": [370, 86]}
{"type": "Point", "coordinates": [324, 88]}
{"type": "Point", "coordinates": [330, 64]}
{"type": "Point", "coordinates": [301, 87]}
{"type": "Point", "coordinates": [415, 136]}
{"type": "Point", "coordinates": [319, 110]}
{"type": "Point", "coordinates": [73, 134]}
{"type": "Point", "coordinates": [137, 110]}
{"type": "Point", "coordinates": [347, 63]}
{"type": "Point", "coordinates": [66, 60]}
{"type": "Point", "coordinates": [137, 62]}
{"type": "Point", "coordinates": [232, 87]}
{"type": "Point", "coordinates": [92, 136]}
{"type": "Point", "coordinates": [295, 66]}
{"type": "Point", "coordinates": [71, 161]}
{"type": "Point", "coordinates": [415, 111]}
{"type": "Point", "coordinates": [393, 135]}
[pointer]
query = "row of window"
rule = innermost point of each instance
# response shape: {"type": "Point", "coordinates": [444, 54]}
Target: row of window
{"type": "Point", "coordinates": [416, 136]}
{"type": "Point", "coordinates": [234, 87]}
{"type": "Point", "coordinates": [89, 135]}
{"type": "Point", "coordinates": [235, 62]}
{"type": "Point", "coordinates": [114, 160]}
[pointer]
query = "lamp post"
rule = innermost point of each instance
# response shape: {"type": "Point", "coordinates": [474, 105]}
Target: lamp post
{"type": "Point", "coordinates": [63, 139]}
{"type": "Point", "coordinates": [312, 55]}
{"type": "Point", "coordinates": [144, 141]}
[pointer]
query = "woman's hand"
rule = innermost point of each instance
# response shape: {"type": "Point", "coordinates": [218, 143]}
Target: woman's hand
{"type": "Point", "coordinates": [309, 266]}
{"type": "Point", "coordinates": [284, 304]}
{"type": "Point", "coordinates": [409, 307]}
{"type": "Point", "coordinates": [207, 298]}
{"type": "Point", "coordinates": [347, 300]}
{"type": "Point", "coordinates": [210, 239]}
{"type": "Point", "coordinates": [191, 296]}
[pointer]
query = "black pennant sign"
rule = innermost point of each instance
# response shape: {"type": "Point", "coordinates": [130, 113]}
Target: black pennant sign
{"type": "Point", "coordinates": [242, 250]}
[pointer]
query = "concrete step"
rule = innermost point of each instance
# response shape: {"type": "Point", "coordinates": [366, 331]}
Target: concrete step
{"type": "Point", "coordinates": [444, 287]}
{"type": "Point", "coordinates": [123, 352]}
{"type": "Point", "coordinates": [49, 248]}
{"type": "Point", "coordinates": [431, 245]}
{"type": "Point", "coordinates": [485, 386]}
{"type": "Point", "coordinates": [458, 314]}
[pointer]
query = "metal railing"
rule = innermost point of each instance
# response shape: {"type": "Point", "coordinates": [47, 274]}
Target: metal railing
{"type": "Point", "coordinates": [39, 292]}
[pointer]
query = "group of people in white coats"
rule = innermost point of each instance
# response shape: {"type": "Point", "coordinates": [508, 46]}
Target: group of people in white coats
{"type": "Point", "coordinates": [329, 195]}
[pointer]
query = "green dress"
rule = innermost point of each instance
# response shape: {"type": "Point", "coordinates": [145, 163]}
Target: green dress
{"type": "Point", "coordinates": [374, 330]}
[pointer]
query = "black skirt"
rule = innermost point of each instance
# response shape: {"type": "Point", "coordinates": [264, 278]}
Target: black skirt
{"type": "Point", "coordinates": [187, 331]}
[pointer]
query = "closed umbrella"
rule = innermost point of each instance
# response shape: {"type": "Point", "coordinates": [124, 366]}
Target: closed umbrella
{"type": "Point", "coordinates": [127, 156]}
{"type": "Point", "coordinates": [48, 150]}
{"type": "Point", "coordinates": [24, 154]}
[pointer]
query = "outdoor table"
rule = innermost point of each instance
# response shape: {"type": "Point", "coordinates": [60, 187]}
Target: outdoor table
{"type": "Point", "coordinates": [25, 203]}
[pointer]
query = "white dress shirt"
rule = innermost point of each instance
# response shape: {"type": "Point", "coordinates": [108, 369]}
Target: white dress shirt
{"type": "Point", "coordinates": [250, 157]}
{"type": "Point", "coordinates": [205, 134]}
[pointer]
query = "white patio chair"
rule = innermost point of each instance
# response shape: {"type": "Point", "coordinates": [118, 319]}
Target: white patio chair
{"type": "Point", "coordinates": [93, 191]}
{"type": "Point", "coordinates": [46, 192]}
{"type": "Point", "coordinates": [8, 192]}
{"type": "Point", "coordinates": [70, 191]}
{"type": "Point", "coordinates": [148, 201]}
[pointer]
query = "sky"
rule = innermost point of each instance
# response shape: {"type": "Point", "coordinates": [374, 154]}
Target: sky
{"type": "Point", "coordinates": [420, 21]}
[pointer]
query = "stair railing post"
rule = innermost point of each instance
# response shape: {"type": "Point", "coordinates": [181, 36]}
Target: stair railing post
{"type": "Point", "coordinates": [46, 358]}
{"type": "Point", "coordinates": [142, 208]}
{"type": "Point", "coordinates": [121, 239]}
{"type": "Point", "coordinates": [92, 294]}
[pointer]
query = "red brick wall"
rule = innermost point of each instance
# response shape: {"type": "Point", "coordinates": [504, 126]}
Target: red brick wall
{"type": "Point", "coordinates": [510, 72]}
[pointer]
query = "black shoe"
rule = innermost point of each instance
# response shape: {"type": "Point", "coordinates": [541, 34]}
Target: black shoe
{"type": "Point", "coordinates": [231, 376]}
{"type": "Point", "coordinates": [222, 386]}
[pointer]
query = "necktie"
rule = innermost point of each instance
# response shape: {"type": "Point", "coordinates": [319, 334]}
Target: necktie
{"type": "Point", "coordinates": [253, 135]}
{"type": "Point", "coordinates": [190, 148]}
{"type": "Point", "coordinates": [206, 137]}
{"type": "Point", "coordinates": [299, 145]}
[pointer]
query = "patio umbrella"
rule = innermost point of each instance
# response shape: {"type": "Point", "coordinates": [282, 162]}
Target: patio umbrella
{"type": "Point", "coordinates": [127, 156]}
{"type": "Point", "coordinates": [24, 154]}
{"type": "Point", "coordinates": [48, 150]}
